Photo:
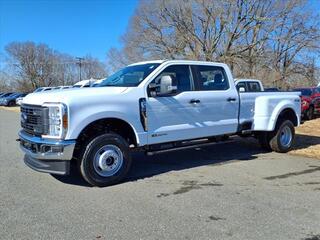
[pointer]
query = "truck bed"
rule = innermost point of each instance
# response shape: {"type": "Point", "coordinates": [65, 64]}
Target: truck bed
{"type": "Point", "coordinates": [258, 107]}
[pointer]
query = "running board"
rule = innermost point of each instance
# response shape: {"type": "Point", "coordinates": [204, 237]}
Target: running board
{"type": "Point", "coordinates": [150, 153]}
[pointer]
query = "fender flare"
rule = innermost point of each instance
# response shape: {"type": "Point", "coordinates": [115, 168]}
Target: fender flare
{"type": "Point", "coordinates": [284, 105]}
{"type": "Point", "coordinates": [100, 116]}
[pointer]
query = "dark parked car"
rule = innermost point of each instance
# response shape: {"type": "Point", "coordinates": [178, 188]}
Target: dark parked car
{"type": "Point", "coordinates": [5, 94]}
{"type": "Point", "coordinates": [10, 99]}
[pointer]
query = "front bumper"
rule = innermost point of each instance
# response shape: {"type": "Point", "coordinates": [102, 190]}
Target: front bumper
{"type": "Point", "coordinates": [46, 155]}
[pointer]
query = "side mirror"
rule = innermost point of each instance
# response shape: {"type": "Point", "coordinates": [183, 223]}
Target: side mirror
{"type": "Point", "coordinates": [242, 89]}
{"type": "Point", "coordinates": [166, 85]}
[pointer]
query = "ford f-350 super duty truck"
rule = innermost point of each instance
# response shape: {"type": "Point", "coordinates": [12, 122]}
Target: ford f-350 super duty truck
{"type": "Point", "coordinates": [152, 106]}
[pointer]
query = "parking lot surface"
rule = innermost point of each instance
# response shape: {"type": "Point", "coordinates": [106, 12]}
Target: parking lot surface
{"type": "Point", "coordinates": [226, 191]}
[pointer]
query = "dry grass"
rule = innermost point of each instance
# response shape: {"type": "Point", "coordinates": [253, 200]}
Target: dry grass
{"type": "Point", "coordinates": [14, 109]}
{"type": "Point", "coordinates": [308, 139]}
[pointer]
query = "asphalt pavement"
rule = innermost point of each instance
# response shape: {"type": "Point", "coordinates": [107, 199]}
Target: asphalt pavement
{"type": "Point", "coordinates": [226, 191]}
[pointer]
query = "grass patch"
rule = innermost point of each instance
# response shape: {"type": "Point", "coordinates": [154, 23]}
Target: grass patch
{"type": "Point", "coordinates": [13, 109]}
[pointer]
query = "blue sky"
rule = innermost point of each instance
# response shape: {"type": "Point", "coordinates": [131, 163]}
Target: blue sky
{"type": "Point", "coordinates": [76, 27]}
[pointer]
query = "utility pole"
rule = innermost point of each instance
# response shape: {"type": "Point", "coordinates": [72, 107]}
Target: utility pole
{"type": "Point", "coordinates": [80, 64]}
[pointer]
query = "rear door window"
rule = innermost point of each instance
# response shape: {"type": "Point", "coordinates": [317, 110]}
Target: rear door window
{"type": "Point", "coordinates": [211, 78]}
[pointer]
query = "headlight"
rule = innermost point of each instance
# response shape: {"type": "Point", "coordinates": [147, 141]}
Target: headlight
{"type": "Point", "coordinates": [57, 120]}
{"type": "Point", "coordinates": [304, 103]}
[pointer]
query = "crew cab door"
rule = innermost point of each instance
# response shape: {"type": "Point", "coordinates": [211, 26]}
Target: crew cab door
{"type": "Point", "coordinates": [197, 109]}
{"type": "Point", "coordinates": [218, 100]}
{"type": "Point", "coordinates": [172, 117]}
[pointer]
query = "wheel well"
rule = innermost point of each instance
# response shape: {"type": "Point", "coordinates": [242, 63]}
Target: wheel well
{"type": "Point", "coordinates": [104, 126]}
{"type": "Point", "coordinates": [289, 114]}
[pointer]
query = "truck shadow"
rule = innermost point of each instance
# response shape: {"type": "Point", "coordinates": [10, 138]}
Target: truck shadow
{"type": "Point", "coordinates": [144, 166]}
{"type": "Point", "coordinates": [222, 153]}
{"type": "Point", "coordinates": [304, 141]}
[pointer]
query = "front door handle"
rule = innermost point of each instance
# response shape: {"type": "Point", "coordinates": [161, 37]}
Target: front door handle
{"type": "Point", "coordinates": [192, 101]}
{"type": "Point", "coordinates": [230, 99]}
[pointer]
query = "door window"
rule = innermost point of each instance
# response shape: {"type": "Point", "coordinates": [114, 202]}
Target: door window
{"type": "Point", "coordinates": [212, 78]}
{"type": "Point", "coordinates": [180, 75]}
{"type": "Point", "coordinates": [242, 85]}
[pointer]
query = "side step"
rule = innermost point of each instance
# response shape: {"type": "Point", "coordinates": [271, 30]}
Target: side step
{"type": "Point", "coordinates": [188, 146]}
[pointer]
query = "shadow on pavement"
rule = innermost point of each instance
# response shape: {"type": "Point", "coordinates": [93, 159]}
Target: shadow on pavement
{"type": "Point", "coordinates": [147, 166]}
{"type": "Point", "coordinates": [305, 141]}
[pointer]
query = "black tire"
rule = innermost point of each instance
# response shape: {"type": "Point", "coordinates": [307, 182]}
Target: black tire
{"type": "Point", "coordinates": [278, 142]}
{"type": "Point", "coordinates": [88, 165]}
{"type": "Point", "coordinates": [11, 104]}
{"type": "Point", "coordinates": [310, 113]}
{"type": "Point", "coordinates": [264, 140]}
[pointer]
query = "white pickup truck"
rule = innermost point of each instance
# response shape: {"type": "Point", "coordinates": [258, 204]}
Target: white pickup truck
{"type": "Point", "coordinates": [153, 106]}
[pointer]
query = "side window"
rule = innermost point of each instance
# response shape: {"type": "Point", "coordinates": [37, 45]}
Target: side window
{"type": "Point", "coordinates": [180, 75]}
{"type": "Point", "coordinates": [212, 78]}
{"type": "Point", "coordinates": [242, 85]}
{"type": "Point", "coordinates": [254, 87]}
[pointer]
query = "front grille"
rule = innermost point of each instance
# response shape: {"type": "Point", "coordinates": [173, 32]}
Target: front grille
{"type": "Point", "coordinates": [33, 119]}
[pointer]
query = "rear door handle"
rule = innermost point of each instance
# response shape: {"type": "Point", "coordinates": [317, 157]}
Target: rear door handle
{"type": "Point", "coordinates": [230, 99]}
{"type": "Point", "coordinates": [192, 101]}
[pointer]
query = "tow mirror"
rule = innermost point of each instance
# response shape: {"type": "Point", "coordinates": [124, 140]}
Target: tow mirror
{"type": "Point", "coordinates": [242, 89]}
{"type": "Point", "coordinates": [166, 85]}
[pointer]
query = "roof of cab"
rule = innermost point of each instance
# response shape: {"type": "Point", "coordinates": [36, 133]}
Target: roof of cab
{"type": "Point", "coordinates": [246, 80]}
{"type": "Point", "coordinates": [177, 61]}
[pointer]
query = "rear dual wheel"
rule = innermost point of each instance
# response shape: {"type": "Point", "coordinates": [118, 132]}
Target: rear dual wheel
{"type": "Point", "coordinates": [280, 140]}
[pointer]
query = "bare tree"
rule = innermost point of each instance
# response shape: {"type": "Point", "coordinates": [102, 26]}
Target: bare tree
{"type": "Point", "coordinates": [257, 38]}
{"type": "Point", "coordinates": [37, 65]}
{"type": "Point", "coordinates": [93, 68]}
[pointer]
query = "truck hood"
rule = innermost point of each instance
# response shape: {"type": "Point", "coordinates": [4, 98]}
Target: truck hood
{"type": "Point", "coordinates": [68, 96]}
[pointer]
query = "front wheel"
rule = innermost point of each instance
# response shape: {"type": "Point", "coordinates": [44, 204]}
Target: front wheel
{"type": "Point", "coordinates": [283, 137]}
{"type": "Point", "coordinates": [11, 104]}
{"type": "Point", "coordinates": [106, 160]}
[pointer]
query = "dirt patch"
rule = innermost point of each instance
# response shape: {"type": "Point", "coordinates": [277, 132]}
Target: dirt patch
{"type": "Point", "coordinates": [13, 109]}
{"type": "Point", "coordinates": [308, 139]}
{"type": "Point", "coordinates": [187, 186]}
{"type": "Point", "coordinates": [214, 218]}
{"type": "Point", "coordinates": [311, 170]}
{"type": "Point", "coordinates": [315, 237]}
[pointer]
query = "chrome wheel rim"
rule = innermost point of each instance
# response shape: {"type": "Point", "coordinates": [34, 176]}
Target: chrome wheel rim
{"type": "Point", "coordinates": [108, 160]}
{"type": "Point", "coordinates": [286, 136]}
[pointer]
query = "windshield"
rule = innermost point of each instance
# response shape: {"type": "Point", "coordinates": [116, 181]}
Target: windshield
{"type": "Point", "coordinates": [304, 91]}
{"type": "Point", "coordinates": [7, 94]}
{"type": "Point", "coordinates": [129, 76]}
{"type": "Point", "coordinates": [14, 94]}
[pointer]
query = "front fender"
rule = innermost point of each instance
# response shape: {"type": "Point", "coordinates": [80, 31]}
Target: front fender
{"type": "Point", "coordinates": [79, 119]}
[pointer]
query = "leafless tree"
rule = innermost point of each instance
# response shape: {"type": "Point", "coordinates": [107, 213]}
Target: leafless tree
{"type": "Point", "coordinates": [257, 38]}
{"type": "Point", "coordinates": [36, 65]}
